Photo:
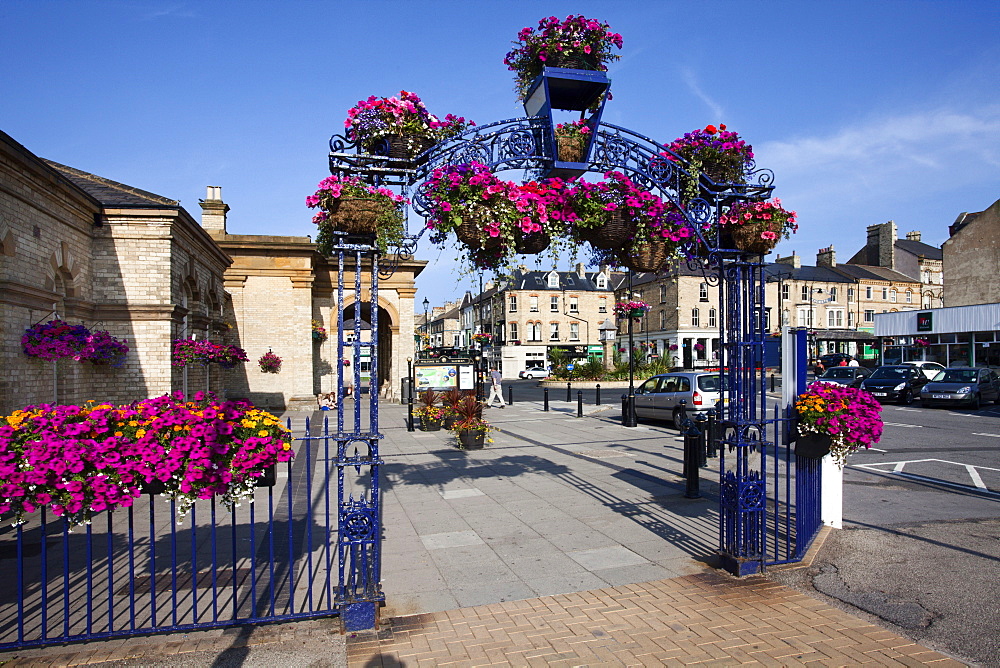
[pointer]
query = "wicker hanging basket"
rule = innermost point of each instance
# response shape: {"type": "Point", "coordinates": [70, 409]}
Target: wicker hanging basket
{"type": "Point", "coordinates": [470, 231]}
{"type": "Point", "coordinates": [747, 238]}
{"type": "Point", "coordinates": [616, 233]}
{"type": "Point", "coordinates": [356, 215]}
{"type": "Point", "coordinates": [407, 147]}
{"type": "Point", "coordinates": [569, 149]}
{"type": "Point", "coordinates": [649, 257]}
{"type": "Point", "coordinates": [531, 244]}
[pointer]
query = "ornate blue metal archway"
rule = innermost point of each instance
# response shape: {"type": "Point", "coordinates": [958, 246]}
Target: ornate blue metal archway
{"type": "Point", "coordinates": [528, 144]}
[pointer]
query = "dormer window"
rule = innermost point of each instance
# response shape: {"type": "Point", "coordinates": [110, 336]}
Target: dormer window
{"type": "Point", "coordinates": [553, 279]}
{"type": "Point", "coordinates": [602, 282]}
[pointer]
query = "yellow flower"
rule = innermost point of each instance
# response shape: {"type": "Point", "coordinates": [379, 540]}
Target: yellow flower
{"type": "Point", "coordinates": [286, 446]}
{"type": "Point", "coordinates": [118, 433]}
{"type": "Point", "coordinates": [262, 433]}
{"type": "Point", "coordinates": [133, 423]}
{"type": "Point", "coordinates": [140, 433]}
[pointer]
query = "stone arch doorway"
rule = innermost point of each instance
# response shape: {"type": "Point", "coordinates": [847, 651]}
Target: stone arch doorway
{"type": "Point", "coordinates": [381, 358]}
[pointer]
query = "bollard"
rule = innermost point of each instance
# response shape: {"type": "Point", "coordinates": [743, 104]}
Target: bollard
{"type": "Point", "coordinates": [598, 401]}
{"type": "Point", "coordinates": [409, 409]}
{"type": "Point", "coordinates": [701, 422]}
{"type": "Point", "coordinates": [772, 382]}
{"type": "Point", "coordinates": [710, 432]}
{"type": "Point", "coordinates": [510, 395]}
{"type": "Point", "coordinates": [579, 403]}
{"type": "Point", "coordinates": [545, 399]}
{"type": "Point", "coordinates": [691, 482]}
{"type": "Point", "coordinates": [624, 408]}
{"type": "Point", "coordinates": [569, 395]}
{"type": "Point", "coordinates": [683, 416]}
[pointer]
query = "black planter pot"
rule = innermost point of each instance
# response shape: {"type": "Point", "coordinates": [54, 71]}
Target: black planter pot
{"type": "Point", "coordinates": [472, 439]}
{"type": "Point", "coordinates": [153, 487]}
{"type": "Point", "coordinates": [426, 424]}
{"type": "Point", "coordinates": [269, 478]}
{"type": "Point", "coordinates": [813, 446]}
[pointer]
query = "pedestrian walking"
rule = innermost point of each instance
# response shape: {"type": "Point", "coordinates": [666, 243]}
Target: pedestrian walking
{"type": "Point", "coordinates": [818, 368]}
{"type": "Point", "coordinates": [496, 391]}
{"type": "Point", "coordinates": [843, 361]}
{"type": "Point", "coordinates": [853, 362]}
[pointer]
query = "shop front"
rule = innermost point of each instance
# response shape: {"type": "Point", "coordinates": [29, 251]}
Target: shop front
{"type": "Point", "coordinates": [952, 336]}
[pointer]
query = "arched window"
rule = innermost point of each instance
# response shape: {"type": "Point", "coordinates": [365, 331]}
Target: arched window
{"type": "Point", "coordinates": [892, 295]}
{"type": "Point", "coordinates": [909, 296]}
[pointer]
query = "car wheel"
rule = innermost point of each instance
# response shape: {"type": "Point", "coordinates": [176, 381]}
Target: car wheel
{"type": "Point", "coordinates": [977, 403]}
{"type": "Point", "coordinates": [676, 416]}
{"type": "Point", "coordinates": [906, 398]}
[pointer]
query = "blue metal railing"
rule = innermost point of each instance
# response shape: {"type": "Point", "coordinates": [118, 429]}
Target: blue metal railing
{"type": "Point", "coordinates": [110, 579]}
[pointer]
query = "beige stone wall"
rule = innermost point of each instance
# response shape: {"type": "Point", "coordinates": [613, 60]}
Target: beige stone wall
{"type": "Point", "coordinates": [971, 258]}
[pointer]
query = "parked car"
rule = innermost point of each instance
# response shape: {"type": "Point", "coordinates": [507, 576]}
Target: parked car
{"type": "Point", "coordinates": [845, 375]}
{"type": "Point", "coordinates": [831, 360]}
{"type": "Point", "coordinates": [930, 369]}
{"type": "Point", "coordinates": [533, 372]}
{"type": "Point", "coordinates": [659, 397]}
{"type": "Point", "coordinates": [898, 382]}
{"type": "Point", "coordinates": [961, 386]}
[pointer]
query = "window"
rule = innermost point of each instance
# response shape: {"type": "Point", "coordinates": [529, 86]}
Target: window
{"type": "Point", "coordinates": [805, 317]}
{"type": "Point", "coordinates": [850, 294]}
{"type": "Point", "coordinates": [512, 304]}
{"type": "Point", "coordinates": [513, 331]}
{"type": "Point", "coordinates": [909, 296]}
{"type": "Point", "coordinates": [554, 303]}
{"type": "Point", "coordinates": [835, 318]}
{"type": "Point", "coordinates": [602, 305]}
{"type": "Point", "coordinates": [553, 279]}
{"type": "Point", "coordinates": [869, 315]}
{"type": "Point", "coordinates": [553, 331]}
{"type": "Point", "coordinates": [885, 294]}
{"type": "Point", "coordinates": [663, 320]}
{"type": "Point", "coordinates": [892, 295]}
{"type": "Point", "coordinates": [695, 318]}
{"type": "Point", "coordinates": [574, 331]}
{"type": "Point", "coordinates": [534, 331]}
{"type": "Point", "coordinates": [712, 318]}
{"type": "Point", "coordinates": [805, 293]}
{"type": "Point", "coordinates": [602, 282]}
{"type": "Point", "coordinates": [574, 304]}
{"type": "Point", "coordinates": [784, 291]}
{"type": "Point", "coordinates": [767, 318]}
{"type": "Point", "coordinates": [533, 303]}
{"type": "Point", "coordinates": [833, 294]}
{"type": "Point", "coordinates": [703, 292]}
{"type": "Point", "coordinates": [663, 294]}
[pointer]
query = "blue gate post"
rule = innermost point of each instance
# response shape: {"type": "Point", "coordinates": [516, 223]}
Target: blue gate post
{"type": "Point", "coordinates": [743, 493]}
{"type": "Point", "coordinates": [359, 589]}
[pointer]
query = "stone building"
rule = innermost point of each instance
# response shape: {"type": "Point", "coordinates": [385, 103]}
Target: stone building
{"type": "Point", "coordinates": [971, 258]}
{"type": "Point", "coordinates": [910, 257]}
{"type": "Point", "coordinates": [113, 257]}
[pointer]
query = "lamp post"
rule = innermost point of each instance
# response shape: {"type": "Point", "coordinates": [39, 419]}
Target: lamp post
{"type": "Point", "coordinates": [426, 339]}
{"type": "Point", "coordinates": [628, 420]}
{"type": "Point", "coordinates": [409, 394]}
{"type": "Point", "coordinates": [476, 374]}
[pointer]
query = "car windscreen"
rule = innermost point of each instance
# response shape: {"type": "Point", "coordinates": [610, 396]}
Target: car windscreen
{"type": "Point", "coordinates": [710, 383]}
{"type": "Point", "coordinates": [891, 372]}
{"type": "Point", "coordinates": [956, 376]}
{"type": "Point", "coordinates": [839, 372]}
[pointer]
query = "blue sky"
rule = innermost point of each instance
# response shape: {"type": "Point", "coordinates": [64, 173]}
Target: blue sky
{"type": "Point", "coordinates": [866, 111]}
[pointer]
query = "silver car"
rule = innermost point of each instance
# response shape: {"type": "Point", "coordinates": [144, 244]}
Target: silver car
{"type": "Point", "coordinates": [659, 397]}
{"type": "Point", "coordinates": [964, 386]}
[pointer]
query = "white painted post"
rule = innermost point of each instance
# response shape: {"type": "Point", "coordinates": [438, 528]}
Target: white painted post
{"type": "Point", "coordinates": [831, 502]}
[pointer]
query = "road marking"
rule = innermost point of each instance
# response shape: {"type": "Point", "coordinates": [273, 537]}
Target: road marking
{"type": "Point", "coordinates": [915, 410]}
{"type": "Point", "coordinates": [965, 414]}
{"type": "Point", "coordinates": [900, 424]}
{"type": "Point", "coordinates": [878, 450]}
{"type": "Point", "coordinates": [974, 474]}
{"type": "Point", "coordinates": [992, 435]}
{"type": "Point", "coordinates": [897, 469]}
{"type": "Point", "coordinates": [945, 483]}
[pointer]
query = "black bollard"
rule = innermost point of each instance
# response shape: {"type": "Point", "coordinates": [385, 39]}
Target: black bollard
{"type": "Point", "coordinates": [569, 395]}
{"type": "Point", "coordinates": [409, 409]}
{"type": "Point", "coordinates": [701, 422]}
{"type": "Point", "coordinates": [545, 399]}
{"type": "Point", "coordinates": [598, 401]}
{"type": "Point", "coordinates": [624, 408]}
{"type": "Point", "coordinates": [579, 403]}
{"type": "Point", "coordinates": [691, 482]}
{"type": "Point", "coordinates": [710, 432]}
{"type": "Point", "coordinates": [510, 395]}
{"type": "Point", "coordinates": [772, 382]}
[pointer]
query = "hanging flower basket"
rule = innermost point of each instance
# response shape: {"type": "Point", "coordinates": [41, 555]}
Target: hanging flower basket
{"type": "Point", "coordinates": [203, 351]}
{"type": "Point", "coordinates": [357, 215]}
{"type": "Point", "coordinates": [756, 227]}
{"type": "Point", "coordinates": [617, 229]}
{"type": "Point", "coordinates": [571, 141]}
{"type": "Point", "coordinates": [531, 244]}
{"type": "Point", "coordinates": [57, 339]}
{"type": "Point", "coordinates": [847, 416]}
{"type": "Point", "coordinates": [813, 446]}
{"type": "Point", "coordinates": [269, 363]}
{"type": "Point", "coordinates": [319, 334]}
{"type": "Point", "coordinates": [714, 152]}
{"type": "Point", "coordinates": [633, 309]}
{"type": "Point", "coordinates": [349, 205]}
{"type": "Point", "coordinates": [649, 257]}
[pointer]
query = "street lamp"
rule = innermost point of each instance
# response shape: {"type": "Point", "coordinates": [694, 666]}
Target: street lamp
{"type": "Point", "coordinates": [409, 394]}
{"type": "Point", "coordinates": [426, 324]}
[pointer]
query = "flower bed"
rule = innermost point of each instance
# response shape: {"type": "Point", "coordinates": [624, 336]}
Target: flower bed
{"type": "Point", "coordinates": [203, 351]}
{"type": "Point", "coordinates": [849, 416]}
{"type": "Point", "coordinates": [81, 460]}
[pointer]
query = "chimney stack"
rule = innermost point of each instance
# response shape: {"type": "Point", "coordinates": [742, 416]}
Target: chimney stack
{"type": "Point", "coordinates": [826, 257]}
{"type": "Point", "coordinates": [213, 210]}
{"type": "Point", "coordinates": [793, 260]}
{"type": "Point", "coordinates": [913, 236]}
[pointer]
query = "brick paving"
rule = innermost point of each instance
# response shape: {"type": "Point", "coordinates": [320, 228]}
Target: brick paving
{"type": "Point", "coordinates": [706, 619]}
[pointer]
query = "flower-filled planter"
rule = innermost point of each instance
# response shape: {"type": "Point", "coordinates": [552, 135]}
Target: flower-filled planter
{"type": "Point", "coordinates": [633, 309]}
{"type": "Point", "coordinates": [349, 205]}
{"type": "Point", "coordinates": [203, 351]}
{"type": "Point", "coordinates": [57, 339]}
{"type": "Point", "coordinates": [483, 338]}
{"type": "Point", "coordinates": [269, 363]}
{"type": "Point", "coordinates": [81, 460]}
{"type": "Point", "coordinates": [756, 227]}
{"type": "Point", "coordinates": [849, 417]}
{"type": "Point", "coordinates": [494, 219]}
{"type": "Point", "coordinates": [319, 334]}
{"type": "Point", "coordinates": [715, 152]}
{"type": "Point", "coordinates": [572, 140]}
{"type": "Point", "coordinates": [575, 43]}
{"type": "Point", "coordinates": [469, 427]}
{"type": "Point", "coordinates": [399, 127]}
